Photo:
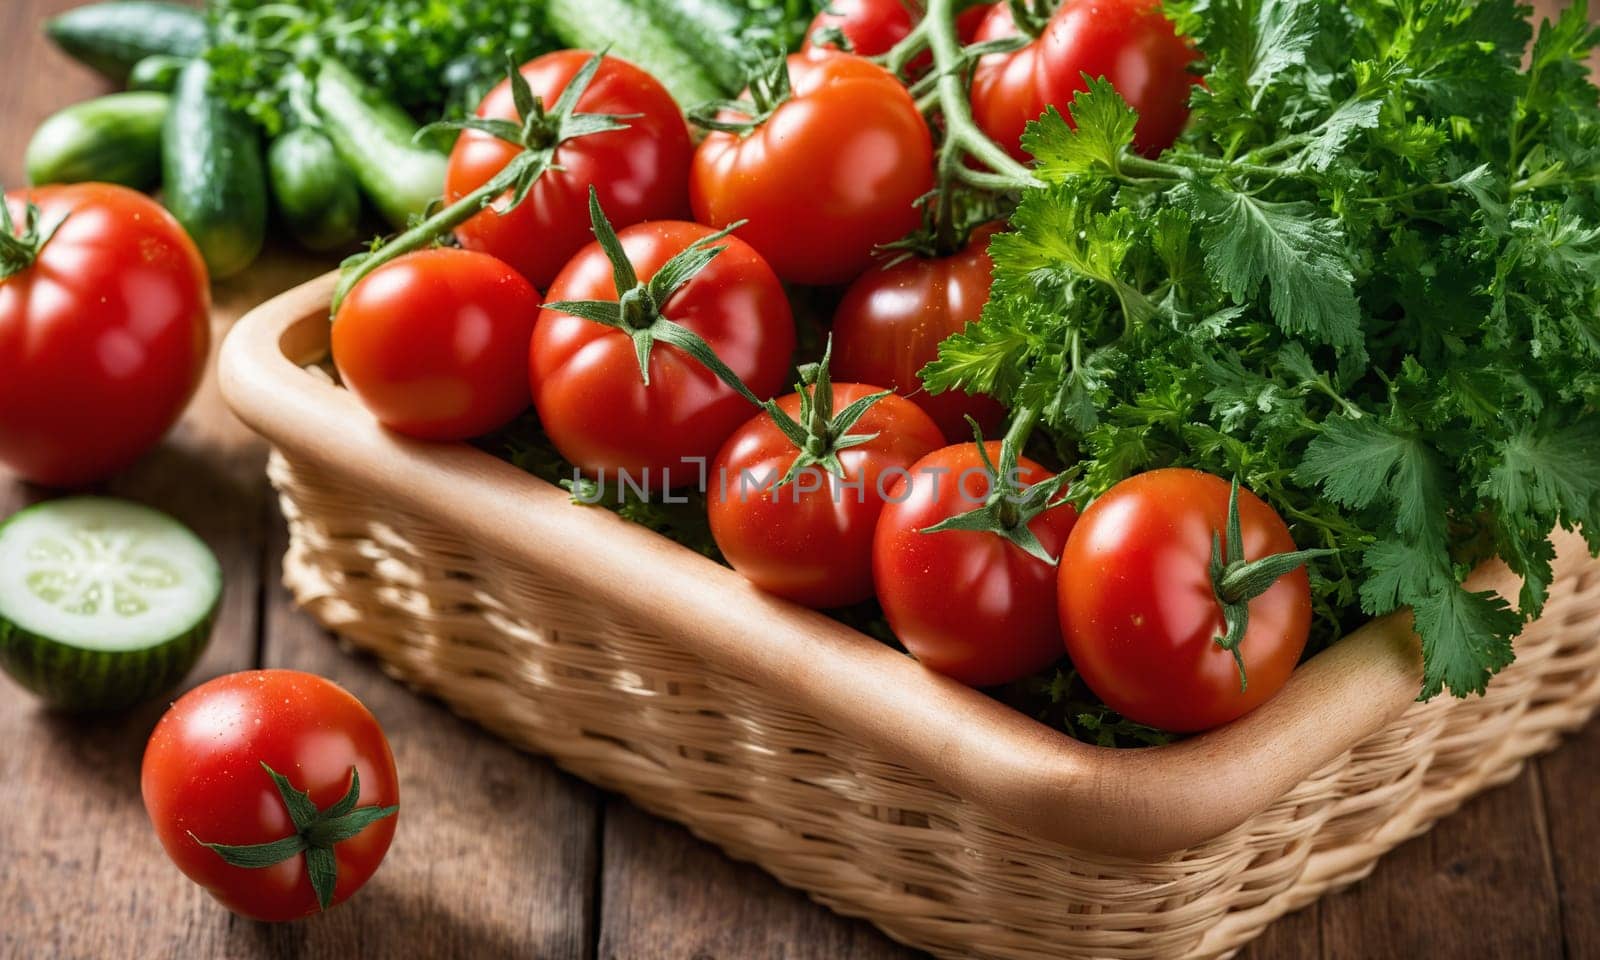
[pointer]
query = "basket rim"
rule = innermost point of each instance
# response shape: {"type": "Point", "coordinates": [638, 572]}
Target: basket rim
{"type": "Point", "coordinates": [1137, 803]}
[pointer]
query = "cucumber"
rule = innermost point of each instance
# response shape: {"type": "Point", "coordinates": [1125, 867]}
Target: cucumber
{"type": "Point", "coordinates": [315, 193]}
{"type": "Point", "coordinates": [212, 175]}
{"type": "Point", "coordinates": [103, 603]}
{"type": "Point", "coordinates": [112, 37]}
{"type": "Point", "coordinates": [635, 34]}
{"type": "Point", "coordinates": [710, 31]}
{"type": "Point", "coordinates": [158, 72]}
{"type": "Point", "coordinates": [112, 139]}
{"type": "Point", "coordinates": [375, 140]}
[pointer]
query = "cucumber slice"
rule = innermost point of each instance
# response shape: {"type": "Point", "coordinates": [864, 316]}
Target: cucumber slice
{"type": "Point", "coordinates": [103, 603]}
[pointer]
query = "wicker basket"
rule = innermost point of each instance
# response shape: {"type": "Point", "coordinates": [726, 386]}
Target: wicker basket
{"type": "Point", "coordinates": [839, 765]}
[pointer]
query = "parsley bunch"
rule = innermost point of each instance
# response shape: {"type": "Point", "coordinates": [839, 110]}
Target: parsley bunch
{"type": "Point", "coordinates": [1367, 282]}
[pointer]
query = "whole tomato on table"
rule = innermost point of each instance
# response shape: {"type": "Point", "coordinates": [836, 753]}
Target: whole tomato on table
{"type": "Point", "coordinates": [435, 343]}
{"type": "Point", "coordinates": [975, 605]}
{"type": "Point", "coordinates": [798, 519]}
{"type": "Point", "coordinates": [890, 322]}
{"type": "Point", "coordinates": [640, 170]}
{"type": "Point", "coordinates": [273, 789]}
{"type": "Point", "coordinates": [104, 329]}
{"type": "Point", "coordinates": [1146, 616]}
{"type": "Point", "coordinates": [828, 162]}
{"type": "Point", "coordinates": [624, 296]}
{"type": "Point", "coordinates": [1129, 42]}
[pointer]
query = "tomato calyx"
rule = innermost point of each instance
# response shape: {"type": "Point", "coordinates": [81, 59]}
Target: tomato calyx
{"type": "Point", "coordinates": [818, 432]}
{"type": "Point", "coordinates": [20, 248]}
{"type": "Point", "coordinates": [1236, 581]}
{"type": "Point", "coordinates": [637, 311]}
{"type": "Point", "coordinates": [540, 134]}
{"type": "Point", "coordinates": [768, 88]}
{"type": "Point", "coordinates": [317, 832]}
{"type": "Point", "coordinates": [1029, 18]}
{"type": "Point", "coordinates": [1008, 509]}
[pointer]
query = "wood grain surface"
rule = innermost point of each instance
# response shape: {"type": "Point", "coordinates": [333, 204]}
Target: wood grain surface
{"type": "Point", "coordinates": [500, 854]}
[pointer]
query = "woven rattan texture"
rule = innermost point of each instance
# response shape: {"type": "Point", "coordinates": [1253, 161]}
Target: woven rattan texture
{"type": "Point", "coordinates": [623, 706]}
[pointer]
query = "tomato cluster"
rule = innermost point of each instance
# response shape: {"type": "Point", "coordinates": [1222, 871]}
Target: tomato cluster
{"type": "Point", "coordinates": [658, 347]}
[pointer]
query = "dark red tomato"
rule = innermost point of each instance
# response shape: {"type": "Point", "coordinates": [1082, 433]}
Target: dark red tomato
{"type": "Point", "coordinates": [435, 343]}
{"type": "Point", "coordinates": [103, 335]}
{"type": "Point", "coordinates": [890, 323]}
{"type": "Point", "coordinates": [204, 783]}
{"type": "Point", "coordinates": [1141, 619]}
{"type": "Point", "coordinates": [642, 172]}
{"type": "Point", "coordinates": [586, 384]}
{"type": "Point", "coordinates": [811, 540]}
{"type": "Point", "coordinates": [970, 605]}
{"type": "Point", "coordinates": [1129, 42]}
{"type": "Point", "coordinates": [833, 173]}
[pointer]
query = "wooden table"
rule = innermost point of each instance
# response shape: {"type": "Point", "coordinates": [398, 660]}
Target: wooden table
{"type": "Point", "coordinates": [500, 854]}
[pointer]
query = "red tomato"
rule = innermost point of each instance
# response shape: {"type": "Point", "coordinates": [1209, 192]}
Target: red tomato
{"type": "Point", "coordinates": [594, 405]}
{"type": "Point", "coordinates": [834, 172]}
{"type": "Point", "coordinates": [1129, 42]}
{"type": "Point", "coordinates": [103, 336]}
{"type": "Point", "coordinates": [890, 323]}
{"type": "Point", "coordinates": [970, 605]}
{"type": "Point", "coordinates": [642, 172]}
{"type": "Point", "coordinates": [204, 783]}
{"type": "Point", "coordinates": [873, 27]}
{"type": "Point", "coordinates": [811, 540]}
{"type": "Point", "coordinates": [435, 343]}
{"type": "Point", "coordinates": [1141, 619]}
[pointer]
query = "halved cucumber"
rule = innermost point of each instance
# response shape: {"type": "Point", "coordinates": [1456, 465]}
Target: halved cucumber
{"type": "Point", "coordinates": [103, 603]}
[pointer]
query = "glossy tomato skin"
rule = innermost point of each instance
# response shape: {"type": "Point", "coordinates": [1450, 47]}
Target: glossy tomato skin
{"type": "Point", "coordinates": [834, 172]}
{"type": "Point", "coordinates": [810, 541]}
{"type": "Point", "coordinates": [203, 776]}
{"type": "Point", "coordinates": [641, 172]}
{"type": "Point", "coordinates": [435, 343]}
{"type": "Point", "coordinates": [891, 321]}
{"type": "Point", "coordinates": [969, 605]}
{"type": "Point", "coordinates": [586, 384]}
{"type": "Point", "coordinates": [103, 339]}
{"type": "Point", "coordinates": [872, 27]}
{"type": "Point", "coordinates": [1139, 615]}
{"type": "Point", "coordinates": [1129, 42]}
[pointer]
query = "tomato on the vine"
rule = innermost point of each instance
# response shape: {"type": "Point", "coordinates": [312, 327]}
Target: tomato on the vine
{"type": "Point", "coordinates": [641, 170]}
{"type": "Point", "coordinates": [1129, 42]}
{"type": "Point", "coordinates": [210, 785]}
{"type": "Point", "coordinates": [1144, 621]}
{"type": "Point", "coordinates": [832, 167]}
{"type": "Point", "coordinates": [891, 321]}
{"type": "Point", "coordinates": [971, 604]}
{"type": "Point", "coordinates": [596, 406]}
{"type": "Point", "coordinates": [104, 329]}
{"type": "Point", "coordinates": [810, 539]}
{"type": "Point", "coordinates": [869, 27]}
{"type": "Point", "coordinates": [435, 343]}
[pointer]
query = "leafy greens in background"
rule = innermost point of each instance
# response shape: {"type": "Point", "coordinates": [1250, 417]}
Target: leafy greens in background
{"type": "Point", "coordinates": [1367, 282]}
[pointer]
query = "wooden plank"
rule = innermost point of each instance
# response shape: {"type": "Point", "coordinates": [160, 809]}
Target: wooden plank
{"type": "Point", "coordinates": [1570, 779]}
{"type": "Point", "coordinates": [497, 852]}
{"type": "Point", "coordinates": [666, 894]}
{"type": "Point", "coordinates": [1479, 885]}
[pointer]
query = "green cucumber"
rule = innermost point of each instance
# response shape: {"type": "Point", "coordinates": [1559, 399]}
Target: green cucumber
{"type": "Point", "coordinates": [314, 192]}
{"type": "Point", "coordinates": [103, 603]}
{"type": "Point", "coordinates": [633, 32]}
{"type": "Point", "coordinates": [375, 139]}
{"type": "Point", "coordinates": [711, 32]}
{"type": "Point", "coordinates": [158, 72]}
{"type": "Point", "coordinates": [212, 176]}
{"type": "Point", "coordinates": [112, 37]}
{"type": "Point", "coordinates": [112, 139]}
